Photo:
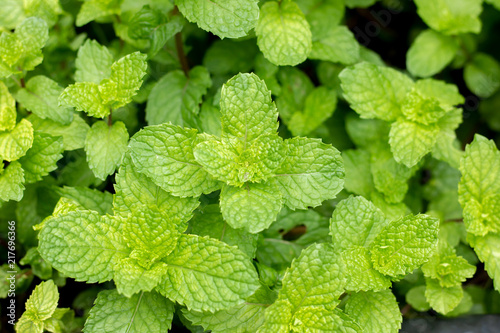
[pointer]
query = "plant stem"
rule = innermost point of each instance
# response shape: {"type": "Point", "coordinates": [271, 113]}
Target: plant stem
{"type": "Point", "coordinates": [181, 54]}
{"type": "Point", "coordinates": [110, 118]}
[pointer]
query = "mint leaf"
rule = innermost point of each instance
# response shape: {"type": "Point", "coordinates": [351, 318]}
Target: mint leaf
{"type": "Point", "coordinates": [84, 96]}
{"type": "Point", "coordinates": [430, 53]}
{"type": "Point", "coordinates": [451, 17]}
{"type": "Point", "coordinates": [410, 141]}
{"type": "Point", "coordinates": [42, 157]}
{"type": "Point", "coordinates": [41, 97]}
{"type": "Point", "coordinates": [247, 110]}
{"type": "Point", "coordinates": [446, 94]}
{"type": "Point", "coordinates": [277, 317]}
{"type": "Point", "coordinates": [416, 298]}
{"type": "Point", "coordinates": [404, 244]}
{"type": "Point", "coordinates": [314, 319]}
{"type": "Point", "coordinates": [375, 91]}
{"type": "Point", "coordinates": [224, 280]}
{"type": "Point", "coordinates": [223, 18]}
{"type": "Point", "coordinates": [105, 146]}
{"type": "Point", "coordinates": [479, 187]}
{"type": "Point", "coordinates": [134, 190]}
{"type": "Point", "coordinates": [7, 109]}
{"type": "Point", "coordinates": [360, 274]}
{"type": "Point", "coordinates": [177, 98]}
{"type": "Point", "coordinates": [43, 301]}
{"type": "Point", "coordinates": [165, 154]}
{"type": "Point", "coordinates": [283, 34]}
{"type": "Point", "coordinates": [358, 177]}
{"type": "Point", "coordinates": [442, 299]}
{"type": "Point", "coordinates": [11, 182]}
{"type": "Point", "coordinates": [93, 62]}
{"type": "Point", "coordinates": [322, 15]}
{"type": "Point", "coordinates": [482, 75]}
{"type": "Point", "coordinates": [421, 109]}
{"type": "Point", "coordinates": [338, 45]}
{"type": "Point", "coordinates": [15, 143]}
{"type": "Point", "coordinates": [486, 249]}
{"type": "Point", "coordinates": [253, 207]}
{"type": "Point", "coordinates": [82, 245]}
{"type": "Point", "coordinates": [144, 312]}
{"type": "Point", "coordinates": [376, 312]}
{"type": "Point", "coordinates": [73, 135]}
{"type": "Point", "coordinates": [131, 277]}
{"type": "Point", "coordinates": [311, 173]}
{"type": "Point", "coordinates": [90, 199]}
{"type": "Point", "coordinates": [93, 9]}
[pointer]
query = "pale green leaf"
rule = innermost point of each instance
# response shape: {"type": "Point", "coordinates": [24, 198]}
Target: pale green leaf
{"type": "Point", "coordinates": [33, 33]}
{"type": "Point", "coordinates": [319, 105]}
{"type": "Point", "coordinates": [479, 186]}
{"type": "Point", "coordinates": [73, 135]}
{"type": "Point", "coordinates": [164, 32]}
{"type": "Point", "coordinates": [7, 109]}
{"type": "Point", "coordinates": [43, 301]}
{"type": "Point", "coordinates": [446, 94]}
{"type": "Point", "coordinates": [321, 320]}
{"type": "Point", "coordinates": [277, 318]}
{"type": "Point", "coordinates": [105, 146]}
{"type": "Point", "coordinates": [208, 221]}
{"type": "Point", "coordinates": [82, 245]}
{"type": "Point", "coordinates": [247, 110]}
{"type": "Point", "coordinates": [40, 96]}
{"type": "Point", "coordinates": [177, 98]}
{"type": "Point", "coordinates": [283, 34]}
{"type": "Point", "coordinates": [11, 13]}
{"type": "Point", "coordinates": [223, 275]}
{"type": "Point", "coordinates": [49, 10]}
{"type": "Point", "coordinates": [416, 298]}
{"type": "Point", "coordinates": [11, 182]}
{"type": "Point", "coordinates": [430, 53]}
{"type": "Point", "coordinates": [375, 91]}
{"type": "Point", "coordinates": [15, 143]}
{"type": "Point", "coordinates": [253, 207]}
{"type": "Point", "coordinates": [90, 199]}
{"type": "Point", "coordinates": [224, 18]}
{"type": "Point", "coordinates": [356, 222]}
{"type": "Point", "coordinates": [482, 75]}
{"type": "Point", "coordinates": [42, 157]}
{"type": "Point", "coordinates": [311, 173]}
{"type": "Point", "coordinates": [358, 177]}
{"type": "Point", "coordinates": [93, 9]}
{"type": "Point", "coordinates": [131, 277]}
{"type": "Point", "coordinates": [165, 154]}
{"type": "Point", "coordinates": [141, 313]}
{"type": "Point", "coordinates": [93, 62]}
{"type": "Point", "coordinates": [29, 325]}
{"type": "Point", "coordinates": [404, 244]}
{"type": "Point", "coordinates": [410, 141]}
{"type": "Point", "coordinates": [487, 249]}
{"type": "Point", "coordinates": [11, 52]}
{"type": "Point", "coordinates": [338, 45]}
{"type": "Point", "coordinates": [442, 299]}
{"type": "Point", "coordinates": [134, 189]}
{"type": "Point", "coordinates": [243, 318]}
{"type": "Point", "coordinates": [84, 96]}
{"type": "Point", "coordinates": [451, 17]}
{"type": "Point", "coordinates": [421, 109]}
{"type": "Point", "coordinates": [322, 15]}
{"type": "Point", "coordinates": [375, 312]}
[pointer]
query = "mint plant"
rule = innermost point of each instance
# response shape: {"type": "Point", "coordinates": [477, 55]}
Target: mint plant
{"type": "Point", "coordinates": [248, 166]}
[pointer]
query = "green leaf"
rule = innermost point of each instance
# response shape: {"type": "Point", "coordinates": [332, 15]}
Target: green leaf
{"type": "Point", "coordinates": [89, 199]}
{"type": "Point", "coordinates": [82, 245]}
{"type": "Point", "coordinates": [177, 98]}
{"type": "Point", "coordinates": [283, 34]}
{"type": "Point", "coordinates": [163, 33]}
{"type": "Point", "coordinates": [375, 91]}
{"type": "Point", "coordinates": [315, 278]}
{"type": "Point", "coordinates": [445, 93]}
{"type": "Point", "coordinates": [228, 56]}
{"type": "Point", "coordinates": [253, 207]}
{"type": "Point", "coordinates": [84, 96]}
{"type": "Point", "coordinates": [430, 53]}
{"type": "Point", "coordinates": [358, 177]}
{"type": "Point", "coordinates": [40, 96]}
{"type": "Point", "coordinates": [416, 298]}
{"type": "Point", "coordinates": [442, 299]}
{"type": "Point", "coordinates": [482, 75]}
{"type": "Point", "coordinates": [93, 62]}
{"type": "Point", "coordinates": [247, 110]}
{"type": "Point", "coordinates": [134, 189]}
{"type": "Point", "coordinates": [420, 109]}
{"type": "Point", "coordinates": [479, 187]}
{"type": "Point", "coordinates": [359, 272]}
{"type": "Point", "coordinates": [73, 135]}
{"type": "Point", "coordinates": [311, 173]}
{"type": "Point", "coordinates": [246, 317]}
{"type": "Point", "coordinates": [165, 154]}
{"type": "Point", "coordinates": [319, 105]}
{"type": "Point", "coordinates": [49, 10]}
{"type": "Point", "coordinates": [224, 276]}
{"type": "Point", "coordinates": [131, 276]}
{"type": "Point", "coordinates": [410, 141]}
{"type": "Point", "coordinates": [93, 9]}
{"type": "Point", "coordinates": [486, 249]}
{"type": "Point", "coordinates": [356, 222]}
{"type": "Point", "coordinates": [11, 182]}
{"type": "Point", "coordinates": [322, 15]}
{"type": "Point", "coordinates": [42, 157]}
{"type": "Point", "coordinates": [278, 317]}
{"type": "Point", "coordinates": [15, 143]}
{"type": "Point", "coordinates": [11, 14]}
{"type": "Point", "coordinates": [32, 33]}
{"type": "Point", "coordinates": [338, 45]}
{"type": "Point", "coordinates": [314, 319]}
{"type": "Point", "coordinates": [451, 17]}
{"type": "Point", "coordinates": [105, 146]}
{"type": "Point", "coordinates": [144, 312]}
{"type": "Point", "coordinates": [404, 244]}
{"type": "Point", "coordinates": [43, 301]}
{"type": "Point", "coordinates": [209, 222]}
{"type": "Point", "coordinates": [223, 18]}
{"type": "Point", "coordinates": [7, 109]}
{"type": "Point", "coordinates": [28, 325]}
